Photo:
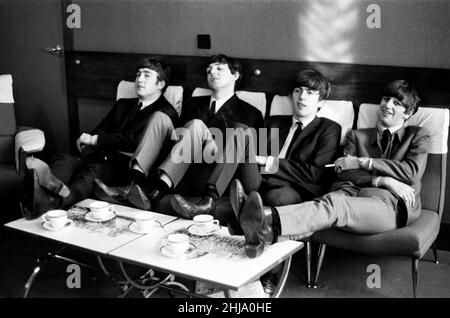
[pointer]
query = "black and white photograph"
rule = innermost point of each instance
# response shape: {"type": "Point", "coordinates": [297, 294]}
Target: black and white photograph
{"type": "Point", "coordinates": [224, 156]}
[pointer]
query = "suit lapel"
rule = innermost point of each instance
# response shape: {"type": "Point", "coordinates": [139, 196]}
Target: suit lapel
{"type": "Point", "coordinates": [308, 130]}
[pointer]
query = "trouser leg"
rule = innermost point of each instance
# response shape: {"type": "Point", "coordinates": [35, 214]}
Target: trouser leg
{"type": "Point", "coordinates": [363, 215]}
{"type": "Point", "coordinates": [239, 153]}
{"type": "Point", "coordinates": [194, 139]}
{"type": "Point", "coordinates": [64, 166]}
{"type": "Point", "coordinates": [114, 169]}
{"type": "Point", "coordinates": [157, 133]}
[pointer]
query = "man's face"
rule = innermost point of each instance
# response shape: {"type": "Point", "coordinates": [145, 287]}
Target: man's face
{"type": "Point", "coordinates": [392, 112]}
{"type": "Point", "coordinates": [305, 102]}
{"type": "Point", "coordinates": [147, 84]}
{"type": "Point", "coordinates": [219, 76]}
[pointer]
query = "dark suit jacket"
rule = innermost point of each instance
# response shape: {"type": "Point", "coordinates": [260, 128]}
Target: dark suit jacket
{"type": "Point", "coordinates": [406, 164]}
{"type": "Point", "coordinates": [234, 111]}
{"type": "Point", "coordinates": [303, 168]}
{"type": "Point", "coordinates": [123, 126]}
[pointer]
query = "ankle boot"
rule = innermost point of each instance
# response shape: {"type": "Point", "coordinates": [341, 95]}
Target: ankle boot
{"type": "Point", "coordinates": [256, 223]}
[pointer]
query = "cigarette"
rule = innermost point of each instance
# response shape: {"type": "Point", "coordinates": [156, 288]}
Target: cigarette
{"type": "Point", "coordinates": [329, 165]}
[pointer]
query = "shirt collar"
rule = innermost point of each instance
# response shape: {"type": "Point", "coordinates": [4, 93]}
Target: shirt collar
{"type": "Point", "coordinates": [304, 122]}
{"type": "Point", "coordinates": [146, 104]}
{"type": "Point", "coordinates": [398, 130]}
{"type": "Point", "coordinates": [221, 101]}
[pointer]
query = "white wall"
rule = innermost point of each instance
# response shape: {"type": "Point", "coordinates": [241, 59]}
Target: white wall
{"type": "Point", "coordinates": [412, 33]}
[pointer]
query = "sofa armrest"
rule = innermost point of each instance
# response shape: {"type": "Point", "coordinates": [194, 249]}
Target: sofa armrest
{"type": "Point", "coordinates": [28, 140]}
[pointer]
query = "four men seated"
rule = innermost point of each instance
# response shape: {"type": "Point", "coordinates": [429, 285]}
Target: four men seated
{"type": "Point", "coordinates": [283, 193]}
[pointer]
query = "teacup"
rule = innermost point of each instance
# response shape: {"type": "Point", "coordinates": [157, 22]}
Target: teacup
{"type": "Point", "coordinates": [144, 221]}
{"type": "Point", "coordinates": [205, 222]}
{"type": "Point", "coordinates": [100, 209]}
{"type": "Point", "coordinates": [177, 243]}
{"type": "Point", "coordinates": [57, 219]}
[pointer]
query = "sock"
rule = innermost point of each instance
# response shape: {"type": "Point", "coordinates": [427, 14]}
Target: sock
{"type": "Point", "coordinates": [212, 192]}
{"type": "Point", "coordinates": [162, 187]}
{"type": "Point", "coordinates": [136, 176]}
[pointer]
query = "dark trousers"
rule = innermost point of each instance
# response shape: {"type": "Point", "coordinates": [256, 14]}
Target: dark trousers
{"type": "Point", "coordinates": [78, 172]}
{"type": "Point", "coordinates": [239, 162]}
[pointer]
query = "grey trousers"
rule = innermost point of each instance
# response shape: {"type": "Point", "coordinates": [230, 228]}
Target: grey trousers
{"type": "Point", "coordinates": [159, 130]}
{"type": "Point", "coordinates": [342, 209]}
{"type": "Point", "coordinates": [194, 140]}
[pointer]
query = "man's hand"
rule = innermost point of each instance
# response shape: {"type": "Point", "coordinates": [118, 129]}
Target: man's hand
{"type": "Point", "coordinates": [346, 163]}
{"type": "Point", "coordinates": [401, 189]}
{"type": "Point", "coordinates": [84, 140]}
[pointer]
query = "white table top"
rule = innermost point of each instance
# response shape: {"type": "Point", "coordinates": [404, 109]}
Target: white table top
{"type": "Point", "coordinates": [96, 237]}
{"type": "Point", "coordinates": [219, 258]}
{"type": "Point", "coordinates": [230, 268]}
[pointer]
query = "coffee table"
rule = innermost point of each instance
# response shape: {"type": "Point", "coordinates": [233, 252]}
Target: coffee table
{"type": "Point", "coordinates": [217, 259]}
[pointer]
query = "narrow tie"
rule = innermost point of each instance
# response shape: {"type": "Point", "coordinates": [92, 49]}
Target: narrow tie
{"type": "Point", "coordinates": [212, 110]}
{"type": "Point", "coordinates": [140, 105]}
{"type": "Point", "coordinates": [297, 132]}
{"type": "Point", "coordinates": [385, 142]}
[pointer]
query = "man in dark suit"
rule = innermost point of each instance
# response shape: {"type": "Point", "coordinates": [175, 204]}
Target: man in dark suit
{"type": "Point", "coordinates": [104, 153]}
{"type": "Point", "coordinates": [378, 187]}
{"type": "Point", "coordinates": [202, 118]}
{"type": "Point", "coordinates": [297, 173]}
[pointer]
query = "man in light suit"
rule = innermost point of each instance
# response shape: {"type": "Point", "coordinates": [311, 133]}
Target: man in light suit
{"type": "Point", "coordinates": [221, 110]}
{"type": "Point", "coordinates": [297, 173]}
{"type": "Point", "coordinates": [378, 187]}
{"type": "Point", "coordinates": [103, 152]}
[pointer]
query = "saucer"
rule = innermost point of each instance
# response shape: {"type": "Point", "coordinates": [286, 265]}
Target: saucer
{"type": "Point", "coordinates": [90, 217]}
{"type": "Point", "coordinates": [48, 227]}
{"type": "Point", "coordinates": [134, 228]}
{"type": "Point", "coordinates": [166, 252]}
{"type": "Point", "coordinates": [194, 229]}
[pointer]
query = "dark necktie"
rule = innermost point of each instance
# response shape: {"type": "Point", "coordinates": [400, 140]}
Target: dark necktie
{"type": "Point", "coordinates": [212, 110]}
{"type": "Point", "coordinates": [294, 137]}
{"type": "Point", "coordinates": [385, 142]}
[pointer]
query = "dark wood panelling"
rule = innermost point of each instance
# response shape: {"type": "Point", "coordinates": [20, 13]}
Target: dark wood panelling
{"type": "Point", "coordinates": [98, 73]}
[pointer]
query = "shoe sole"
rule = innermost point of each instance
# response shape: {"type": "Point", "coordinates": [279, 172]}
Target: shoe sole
{"type": "Point", "coordinates": [234, 197]}
{"type": "Point", "coordinates": [254, 245]}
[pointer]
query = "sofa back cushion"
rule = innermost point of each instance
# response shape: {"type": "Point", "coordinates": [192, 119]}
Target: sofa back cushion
{"type": "Point", "coordinates": [340, 111]}
{"type": "Point", "coordinates": [173, 94]}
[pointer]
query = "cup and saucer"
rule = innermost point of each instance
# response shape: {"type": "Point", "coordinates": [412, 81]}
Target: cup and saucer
{"type": "Point", "coordinates": [204, 224]}
{"type": "Point", "coordinates": [56, 220]}
{"type": "Point", "coordinates": [100, 211]}
{"type": "Point", "coordinates": [177, 245]}
{"type": "Point", "coordinates": [49, 227]}
{"type": "Point", "coordinates": [143, 223]}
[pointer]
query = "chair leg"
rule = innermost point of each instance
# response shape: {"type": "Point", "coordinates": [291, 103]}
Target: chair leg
{"type": "Point", "coordinates": [415, 274]}
{"type": "Point", "coordinates": [308, 264]}
{"type": "Point", "coordinates": [322, 248]}
{"type": "Point", "coordinates": [435, 252]}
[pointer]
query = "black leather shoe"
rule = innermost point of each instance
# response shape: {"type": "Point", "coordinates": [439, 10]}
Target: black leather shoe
{"type": "Point", "coordinates": [269, 283]}
{"type": "Point", "coordinates": [37, 200]}
{"type": "Point", "coordinates": [116, 195]}
{"type": "Point", "coordinates": [139, 199]}
{"type": "Point", "coordinates": [188, 210]}
{"type": "Point", "coordinates": [256, 223]}
{"type": "Point", "coordinates": [46, 178]}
